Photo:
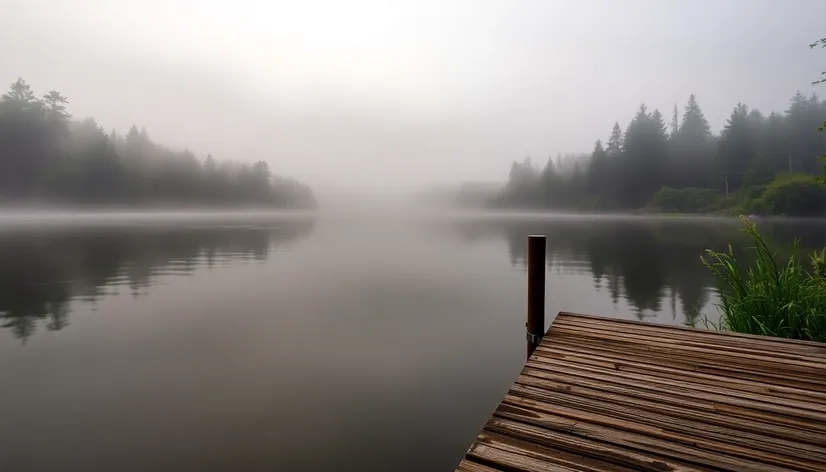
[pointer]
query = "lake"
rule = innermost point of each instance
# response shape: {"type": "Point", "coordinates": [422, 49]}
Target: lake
{"type": "Point", "coordinates": [351, 341]}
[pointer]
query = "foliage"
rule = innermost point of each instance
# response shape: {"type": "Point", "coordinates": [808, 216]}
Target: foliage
{"type": "Point", "coordinates": [747, 200]}
{"type": "Point", "coordinates": [684, 200]}
{"type": "Point", "coordinates": [822, 178]}
{"type": "Point", "coordinates": [45, 157]}
{"type": "Point", "coordinates": [795, 195]}
{"type": "Point", "coordinates": [819, 43]}
{"type": "Point", "coordinates": [770, 298]}
{"type": "Point", "coordinates": [819, 264]}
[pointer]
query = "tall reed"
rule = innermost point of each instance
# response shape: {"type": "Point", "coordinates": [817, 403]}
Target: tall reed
{"type": "Point", "coordinates": [768, 297]}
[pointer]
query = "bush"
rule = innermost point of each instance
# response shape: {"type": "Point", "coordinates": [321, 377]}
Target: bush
{"type": "Point", "coordinates": [747, 200]}
{"type": "Point", "coordinates": [769, 298]}
{"type": "Point", "coordinates": [795, 195]}
{"type": "Point", "coordinates": [756, 207]}
{"type": "Point", "coordinates": [684, 200]}
{"type": "Point", "coordinates": [752, 193]}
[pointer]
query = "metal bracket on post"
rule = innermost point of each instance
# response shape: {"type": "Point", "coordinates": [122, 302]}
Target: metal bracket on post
{"type": "Point", "coordinates": [532, 338]}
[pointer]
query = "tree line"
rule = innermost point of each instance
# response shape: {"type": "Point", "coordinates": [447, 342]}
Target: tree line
{"type": "Point", "coordinates": [46, 157]}
{"type": "Point", "coordinates": [757, 164]}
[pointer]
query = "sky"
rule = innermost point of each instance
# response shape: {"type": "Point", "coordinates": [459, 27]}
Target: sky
{"type": "Point", "coordinates": [381, 94]}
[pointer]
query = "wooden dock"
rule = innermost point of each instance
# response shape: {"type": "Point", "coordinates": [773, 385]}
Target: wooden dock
{"type": "Point", "coordinates": [601, 394]}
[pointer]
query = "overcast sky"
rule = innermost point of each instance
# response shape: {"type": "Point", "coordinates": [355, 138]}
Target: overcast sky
{"type": "Point", "coordinates": [387, 93]}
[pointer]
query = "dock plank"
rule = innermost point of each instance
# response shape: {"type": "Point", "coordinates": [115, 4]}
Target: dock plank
{"type": "Point", "coordinates": [682, 370]}
{"type": "Point", "coordinates": [600, 394]}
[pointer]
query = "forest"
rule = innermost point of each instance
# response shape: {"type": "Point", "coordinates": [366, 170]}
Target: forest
{"type": "Point", "coordinates": [47, 158]}
{"type": "Point", "coordinates": [757, 164]}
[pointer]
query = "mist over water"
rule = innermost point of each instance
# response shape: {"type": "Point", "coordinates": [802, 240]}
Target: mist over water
{"type": "Point", "coordinates": [336, 341]}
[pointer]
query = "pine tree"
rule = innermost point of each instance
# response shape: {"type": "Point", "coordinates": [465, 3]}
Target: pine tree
{"type": "Point", "coordinates": [615, 140]}
{"type": "Point", "coordinates": [738, 147]}
{"type": "Point", "coordinates": [21, 97]}
{"type": "Point", "coordinates": [657, 118]}
{"type": "Point", "coordinates": [675, 122]}
{"type": "Point", "coordinates": [691, 153]}
{"type": "Point", "coordinates": [599, 172]}
{"type": "Point", "coordinates": [694, 125]}
{"type": "Point", "coordinates": [549, 180]}
{"type": "Point", "coordinates": [643, 158]}
{"type": "Point", "coordinates": [55, 106]}
{"type": "Point", "coordinates": [772, 151]}
{"type": "Point", "coordinates": [548, 175]}
{"type": "Point", "coordinates": [209, 163]}
{"type": "Point", "coordinates": [24, 141]}
{"type": "Point", "coordinates": [804, 116]}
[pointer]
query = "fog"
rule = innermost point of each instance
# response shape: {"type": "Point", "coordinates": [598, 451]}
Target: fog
{"type": "Point", "coordinates": [381, 95]}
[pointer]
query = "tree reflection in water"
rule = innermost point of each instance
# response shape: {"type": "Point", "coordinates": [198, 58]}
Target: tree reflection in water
{"type": "Point", "coordinates": [647, 261]}
{"type": "Point", "coordinates": [43, 270]}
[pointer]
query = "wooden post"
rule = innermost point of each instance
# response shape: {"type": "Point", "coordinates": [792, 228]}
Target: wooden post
{"type": "Point", "coordinates": [536, 292]}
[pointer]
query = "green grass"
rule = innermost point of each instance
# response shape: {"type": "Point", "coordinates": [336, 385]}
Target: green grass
{"type": "Point", "coordinates": [769, 297]}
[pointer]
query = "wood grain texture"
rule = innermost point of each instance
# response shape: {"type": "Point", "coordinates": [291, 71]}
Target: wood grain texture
{"type": "Point", "coordinates": [600, 394]}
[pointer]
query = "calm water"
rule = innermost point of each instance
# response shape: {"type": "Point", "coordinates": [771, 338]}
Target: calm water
{"type": "Point", "coordinates": [299, 344]}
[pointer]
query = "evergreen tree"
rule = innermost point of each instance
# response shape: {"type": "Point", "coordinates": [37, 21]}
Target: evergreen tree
{"type": "Point", "coordinates": [657, 118]}
{"type": "Point", "coordinates": [22, 141]}
{"type": "Point", "coordinates": [691, 154]}
{"type": "Point", "coordinates": [523, 187]}
{"type": "Point", "coordinates": [209, 164]}
{"type": "Point", "coordinates": [643, 158]}
{"type": "Point", "coordinates": [577, 186]}
{"type": "Point", "coordinates": [598, 169]}
{"type": "Point", "coordinates": [54, 137]}
{"type": "Point", "coordinates": [21, 98]}
{"type": "Point", "coordinates": [55, 107]}
{"type": "Point", "coordinates": [675, 121]}
{"type": "Point", "coordinates": [694, 123]}
{"type": "Point", "coordinates": [804, 115]}
{"type": "Point", "coordinates": [772, 154]}
{"type": "Point", "coordinates": [549, 171]}
{"type": "Point", "coordinates": [737, 147]}
{"type": "Point", "coordinates": [615, 141]}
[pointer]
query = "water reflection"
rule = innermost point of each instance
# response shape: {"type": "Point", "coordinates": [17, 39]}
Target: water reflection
{"type": "Point", "coordinates": [42, 270]}
{"type": "Point", "coordinates": [651, 263]}
{"type": "Point", "coordinates": [421, 322]}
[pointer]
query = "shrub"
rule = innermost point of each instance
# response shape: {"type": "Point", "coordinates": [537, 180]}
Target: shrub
{"type": "Point", "coordinates": [756, 206]}
{"type": "Point", "coordinates": [768, 298]}
{"type": "Point", "coordinates": [795, 195]}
